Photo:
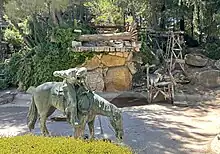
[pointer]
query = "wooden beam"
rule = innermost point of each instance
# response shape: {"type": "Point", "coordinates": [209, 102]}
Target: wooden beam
{"type": "Point", "coordinates": [130, 35]}
{"type": "Point", "coordinates": [103, 49]}
{"type": "Point", "coordinates": [106, 37]}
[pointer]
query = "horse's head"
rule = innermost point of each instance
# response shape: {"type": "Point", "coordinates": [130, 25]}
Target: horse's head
{"type": "Point", "coordinates": [72, 75]}
{"type": "Point", "coordinates": [117, 123]}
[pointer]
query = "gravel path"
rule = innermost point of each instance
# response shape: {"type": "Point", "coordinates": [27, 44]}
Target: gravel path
{"type": "Point", "coordinates": [149, 129]}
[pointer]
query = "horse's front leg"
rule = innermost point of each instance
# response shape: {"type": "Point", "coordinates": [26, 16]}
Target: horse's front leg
{"type": "Point", "coordinates": [76, 131]}
{"type": "Point", "coordinates": [91, 128]}
{"type": "Point", "coordinates": [80, 128]}
{"type": "Point", "coordinates": [83, 125]}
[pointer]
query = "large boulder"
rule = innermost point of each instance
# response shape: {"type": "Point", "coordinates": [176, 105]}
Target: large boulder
{"type": "Point", "coordinates": [7, 97]}
{"type": "Point", "coordinates": [217, 64]}
{"type": "Point", "coordinates": [196, 60]}
{"type": "Point", "coordinates": [93, 63]}
{"type": "Point", "coordinates": [112, 61]}
{"type": "Point", "coordinates": [95, 80]}
{"type": "Point", "coordinates": [118, 79]}
{"type": "Point", "coordinates": [209, 78]}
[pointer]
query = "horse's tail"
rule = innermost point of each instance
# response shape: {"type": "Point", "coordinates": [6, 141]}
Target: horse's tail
{"type": "Point", "coordinates": [32, 115]}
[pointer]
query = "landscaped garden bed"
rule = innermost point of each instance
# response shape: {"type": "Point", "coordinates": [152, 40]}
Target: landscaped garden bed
{"type": "Point", "coordinates": [29, 144]}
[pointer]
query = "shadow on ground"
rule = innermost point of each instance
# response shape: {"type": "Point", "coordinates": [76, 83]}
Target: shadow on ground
{"type": "Point", "coordinates": [160, 128]}
{"type": "Point", "coordinates": [149, 129]}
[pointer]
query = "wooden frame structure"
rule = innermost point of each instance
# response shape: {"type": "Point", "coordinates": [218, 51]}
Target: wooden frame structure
{"type": "Point", "coordinates": [174, 53]}
{"type": "Point", "coordinates": [171, 43]}
{"type": "Point", "coordinates": [156, 86]}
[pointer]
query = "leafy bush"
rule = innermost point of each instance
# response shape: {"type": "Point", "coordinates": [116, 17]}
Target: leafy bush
{"type": "Point", "coordinates": [35, 66]}
{"type": "Point", "coordinates": [212, 50]}
{"type": "Point", "coordinates": [37, 69]}
{"type": "Point", "coordinates": [53, 145]}
{"type": "Point", "coordinates": [147, 57]}
{"type": "Point", "coordinates": [11, 69]}
{"type": "Point", "coordinates": [105, 12]}
{"type": "Point", "coordinates": [3, 81]}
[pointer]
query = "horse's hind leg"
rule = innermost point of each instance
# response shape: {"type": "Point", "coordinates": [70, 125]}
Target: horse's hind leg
{"type": "Point", "coordinates": [43, 127]}
{"type": "Point", "coordinates": [51, 111]}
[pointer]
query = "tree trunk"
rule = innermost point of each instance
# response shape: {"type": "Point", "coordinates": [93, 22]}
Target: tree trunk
{"type": "Point", "coordinates": [182, 20]}
{"type": "Point", "coordinates": [192, 26]}
{"type": "Point", "coordinates": [199, 24]}
{"type": "Point", "coordinates": [154, 19]}
{"type": "Point", "coordinates": [182, 24]}
{"type": "Point", "coordinates": [53, 16]}
{"type": "Point", "coordinates": [162, 22]}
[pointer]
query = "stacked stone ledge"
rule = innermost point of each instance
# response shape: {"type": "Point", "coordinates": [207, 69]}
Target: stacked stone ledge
{"type": "Point", "coordinates": [110, 72]}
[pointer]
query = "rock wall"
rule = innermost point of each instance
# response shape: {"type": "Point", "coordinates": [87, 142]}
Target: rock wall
{"type": "Point", "coordinates": [202, 70]}
{"type": "Point", "coordinates": [110, 72]}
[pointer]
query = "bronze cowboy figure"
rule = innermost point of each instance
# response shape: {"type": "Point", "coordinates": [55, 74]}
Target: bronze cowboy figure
{"type": "Point", "coordinates": [74, 99]}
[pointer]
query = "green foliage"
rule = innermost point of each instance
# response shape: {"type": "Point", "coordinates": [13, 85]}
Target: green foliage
{"type": "Point", "coordinates": [49, 57]}
{"type": "Point", "coordinates": [3, 81]}
{"type": "Point", "coordinates": [37, 144]}
{"type": "Point", "coordinates": [11, 69]}
{"type": "Point", "coordinates": [147, 57]}
{"type": "Point", "coordinates": [22, 9]}
{"type": "Point", "coordinates": [35, 66]}
{"type": "Point", "coordinates": [64, 36]}
{"type": "Point", "coordinates": [212, 50]}
{"type": "Point", "coordinates": [12, 36]}
{"type": "Point", "coordinates": [45, 41]}
{"type": "Point", "coordinates": [105, 12]}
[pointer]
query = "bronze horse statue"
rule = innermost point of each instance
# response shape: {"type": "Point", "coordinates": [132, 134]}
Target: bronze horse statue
{"type": "Point", "coordinates": [48, 97]}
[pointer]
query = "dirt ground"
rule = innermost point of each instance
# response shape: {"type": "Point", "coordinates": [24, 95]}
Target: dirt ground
{"type": "Point", "coordinates": [149, 129]}
{"type": "Point", "coordinates": [183, 130]}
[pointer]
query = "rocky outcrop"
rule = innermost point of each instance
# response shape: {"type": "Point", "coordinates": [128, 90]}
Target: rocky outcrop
{"type": "Point", "coordinates": [217, 64]}
{"type": "Point", "coordinates": [209, 78]}
{"type": "Point", "coordinates": [118, 79]}
{"type": "Point", "coordinates": [112, 60]}
{"type": "Point", "coordinates": [95, 80]}
{"type": "Point", "coordinates": [110, 72]}
{"type": "Point", "coordinates": [7, 97]}
{"type": "Point", "coordinates": [196, 60]}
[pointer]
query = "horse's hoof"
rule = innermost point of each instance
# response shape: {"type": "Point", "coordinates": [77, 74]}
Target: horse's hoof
{"type": "Point", "coordinates": [107, 140]}
{"type": "Point", "coordinates": [218, 137]}
{"type": "Point", "coordinates": [86, 137]}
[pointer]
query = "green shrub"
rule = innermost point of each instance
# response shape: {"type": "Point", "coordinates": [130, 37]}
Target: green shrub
{"type": "Point", "coordinates": [11, 69]}
{"type": "Point", "coordinates": [147, 57]}
{"type": "Point", "coordinates": [57, 145]}
{"type": "Point", "coordinates": [3, 81]}
{"type": "Point", "coordinates": [39, 68]}
{"type": "Point", "coordinates": [212, 50]}
{"type": "Point", "coordinates": [35, 66]}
